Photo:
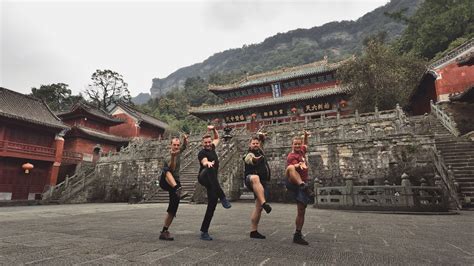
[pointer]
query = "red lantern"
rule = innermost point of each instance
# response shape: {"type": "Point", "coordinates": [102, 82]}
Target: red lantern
{"type": "Point", "coordinates": [27, 167]}
{"type": "Point", "coordinates": [293, 110]}
{"type": "Point", "coordinates": [343, 103]}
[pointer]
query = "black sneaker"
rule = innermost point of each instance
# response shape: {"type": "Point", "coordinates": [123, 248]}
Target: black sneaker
{"type": "Point", "coordinates": [181, 193]}
{"type": "Point", "coordinates": [267, 207]}
{"type": "Point", "coordinates": [256, 234]}
{"type": "Point", "coordinates": [298, 239]}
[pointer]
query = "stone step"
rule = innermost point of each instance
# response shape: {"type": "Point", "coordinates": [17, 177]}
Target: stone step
{"type": "Point", "coordinates": [454, 157]}
{"type": "Point", "coordinates": [458, 159]}
{"type": "Point", "coordinates": [454, 147]}
{"type": "Point", "coordinates": [467, 151]}
{"type": "Point", "coordinates": [459, 165]}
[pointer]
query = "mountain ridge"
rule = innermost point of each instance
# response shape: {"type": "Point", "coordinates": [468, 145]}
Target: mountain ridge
{"type": "Point", "coordinates": [336, 40]}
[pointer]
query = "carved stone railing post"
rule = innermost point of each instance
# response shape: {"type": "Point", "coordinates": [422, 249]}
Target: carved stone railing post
{"type": "Point", "coordinates": [408, 192]}
{"type": "Point", "coordinates": [376, 112]}
{"type": "Point", "coordinates": [357, 116]}
{"type": "Point", "coordinates": [349, 197]}
{"type": "Point", "coordinates": [445, 119]}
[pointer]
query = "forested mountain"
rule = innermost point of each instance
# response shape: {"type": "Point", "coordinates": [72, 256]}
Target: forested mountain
{"type": "Point", "coordinates": [336, 40]}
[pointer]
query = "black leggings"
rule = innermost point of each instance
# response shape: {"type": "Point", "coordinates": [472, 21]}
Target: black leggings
{"type": "Point", "coordinates": [208, 178]}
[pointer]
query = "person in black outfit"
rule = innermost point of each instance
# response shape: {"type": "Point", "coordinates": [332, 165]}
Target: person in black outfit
{"type": "Point", "coordinates": [209, 166]}
{"type": "Point", "coordinates": [169, 181]}
{"type": "Point", "coordinates": [256, 175]}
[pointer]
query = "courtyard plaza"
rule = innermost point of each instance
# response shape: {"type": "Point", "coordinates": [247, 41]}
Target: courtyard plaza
{"type": "Point", "coordinates": [120, 233]}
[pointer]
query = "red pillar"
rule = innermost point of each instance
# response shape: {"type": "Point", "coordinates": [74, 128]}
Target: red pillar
{"type": "Point", "coordinates": [59, 146]}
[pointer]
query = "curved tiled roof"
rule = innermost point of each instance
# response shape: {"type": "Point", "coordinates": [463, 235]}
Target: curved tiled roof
{"type": "Point", "coordinates": [141, 117]}
{"type": "Point", "coordinates": [100, 134]}
{"type": "Point", "coordinates": [92, 110]}
{"type": "Point", "coordinates": [279, 75]}
{"type": "Point", "coordinates": [269, 101]}
{"type": "Point", "coordinates": [18, 106]}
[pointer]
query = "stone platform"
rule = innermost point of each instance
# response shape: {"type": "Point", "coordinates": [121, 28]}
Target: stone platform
{"type": "Point", "coordinates": [128, 234]}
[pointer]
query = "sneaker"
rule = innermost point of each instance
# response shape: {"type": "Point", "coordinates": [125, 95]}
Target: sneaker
{"type": "Point", "coordinates": [298, 239]}
{"type": "Point", "coordinates": [165, 235]}
{"type": "Point", "coordinates": [267, 207]}
{"type": "Point", "coordinates": [181, 194]}
{"type": "Point", "coordinates": [205, 236]}
{"type": "Point", "coordinates": [256, 234]}
{"type": "Point", "coordinates": [225, 203]}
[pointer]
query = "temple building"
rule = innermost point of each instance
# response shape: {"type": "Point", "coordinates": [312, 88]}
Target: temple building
{"type": "Point", "coordinates": [135, 123]}
{"type": "Point", "coordinates": [448, 76]}
{"type": "Point", "coordinates": [31, 146]}
{"type": "Point", "coordinates": [298, 93]}
{"type": "Point", "coordinates": [90, 131]}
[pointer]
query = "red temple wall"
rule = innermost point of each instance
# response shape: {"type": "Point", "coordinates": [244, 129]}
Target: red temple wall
{"type": "Point", "coordinates": [150, 132]}
{"type": "Point", "coordinates": [126, 129]}
{"type": "Point", "coordinates": [28, 135]}
{"type": "Point", "coordinates": [454, 78]}
{"type": "Point", "coordinates": [87, 146]}
{"type": "Point", "coordinates": [14, 180]}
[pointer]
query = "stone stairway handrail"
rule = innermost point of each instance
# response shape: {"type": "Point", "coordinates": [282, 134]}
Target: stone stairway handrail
{"type": "Point", "coordinates": [68, 182]}
{"type": "Point", "coordinates": [445, 119]}
{"type": "Point", "coordinates": [446, 175]}
{"type": "Point", "coordinates": [76, 187]}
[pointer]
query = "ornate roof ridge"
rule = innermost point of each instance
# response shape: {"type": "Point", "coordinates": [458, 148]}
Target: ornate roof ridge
{"type": "Point", "coordinates": [326, 91]}
{"type": "Point", "coordinates": [91, 110]}
{"type": "Point", "coordinates": [452, 54]}
{"type": "Point", "coordinates": [266, 76]}
{"type": "Point", "coordinates": [101, 134]}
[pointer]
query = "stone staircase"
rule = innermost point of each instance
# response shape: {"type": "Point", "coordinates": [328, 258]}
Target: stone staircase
{"type": "Point", "coordinates": [70, 187]}
{"type": "Point", "coordinates": [188, 178]}
{"type": "Point", "coordinates": [458, 156]}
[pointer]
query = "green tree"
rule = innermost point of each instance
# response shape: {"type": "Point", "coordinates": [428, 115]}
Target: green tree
{"type": "Point", "coordinates": [57, 96]}
{"type": "Point", "coordinates": [107, 87]}
{"type": "Point", "coordinates": [380, 77]}
{"type": "Point", "coordinates": [435, 25]}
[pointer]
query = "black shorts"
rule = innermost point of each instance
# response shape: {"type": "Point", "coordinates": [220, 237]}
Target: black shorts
{"type": "Point", "coordinates": [173, 198]}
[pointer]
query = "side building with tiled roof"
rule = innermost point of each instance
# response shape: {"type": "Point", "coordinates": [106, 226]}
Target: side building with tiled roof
{"type": "Point", "coordinates": [31, 138]}
{"type": "Point", "coordinates": [297, 93]}
{"type": "Point", "coordinates": [90, 131]}
{"type": "Point", "coordinates": [136, 123]}
{"type": "Point", "coordinates": [448, 76]}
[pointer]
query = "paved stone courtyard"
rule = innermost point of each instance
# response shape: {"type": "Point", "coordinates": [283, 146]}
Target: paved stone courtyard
{"type": "Point", "coordinates": [128, 234]}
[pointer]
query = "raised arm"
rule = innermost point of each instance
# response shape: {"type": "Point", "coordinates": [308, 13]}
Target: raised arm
{"type": "Point", "coordinates": [215, 141]}
{"type": "Point", "coordinates": [305, 138]}
{"type": "Point", "coordinates": [185, 143]}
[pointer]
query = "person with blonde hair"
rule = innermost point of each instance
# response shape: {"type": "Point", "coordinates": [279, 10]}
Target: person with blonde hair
{"type": "Point", "coordinates": [297, 178]}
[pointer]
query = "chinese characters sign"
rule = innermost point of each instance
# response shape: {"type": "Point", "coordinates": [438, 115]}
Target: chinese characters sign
{"type": "Point", "coordinates": [234, 118]}
{"type": "Point", "coordinates": [274, 113]}
{"type": "Point", "coordinates": [316, 107]}
{"type": "Point", "coordinates": [276, 89]}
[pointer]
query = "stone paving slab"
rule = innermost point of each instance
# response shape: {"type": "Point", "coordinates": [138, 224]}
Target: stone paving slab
{"type": "Point", "coordinates": [112, 234]}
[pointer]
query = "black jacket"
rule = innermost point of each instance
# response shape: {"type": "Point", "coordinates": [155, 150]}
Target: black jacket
{"type": "Point", "coordinates": [261, 168]}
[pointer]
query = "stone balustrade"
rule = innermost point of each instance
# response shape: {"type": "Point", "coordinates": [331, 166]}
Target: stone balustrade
{"type": "Point", "coordinates": [403, 197]}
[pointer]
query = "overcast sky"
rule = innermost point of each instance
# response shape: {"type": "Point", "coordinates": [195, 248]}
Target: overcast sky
{"type": "Point", "coordinates": [44, 42]}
